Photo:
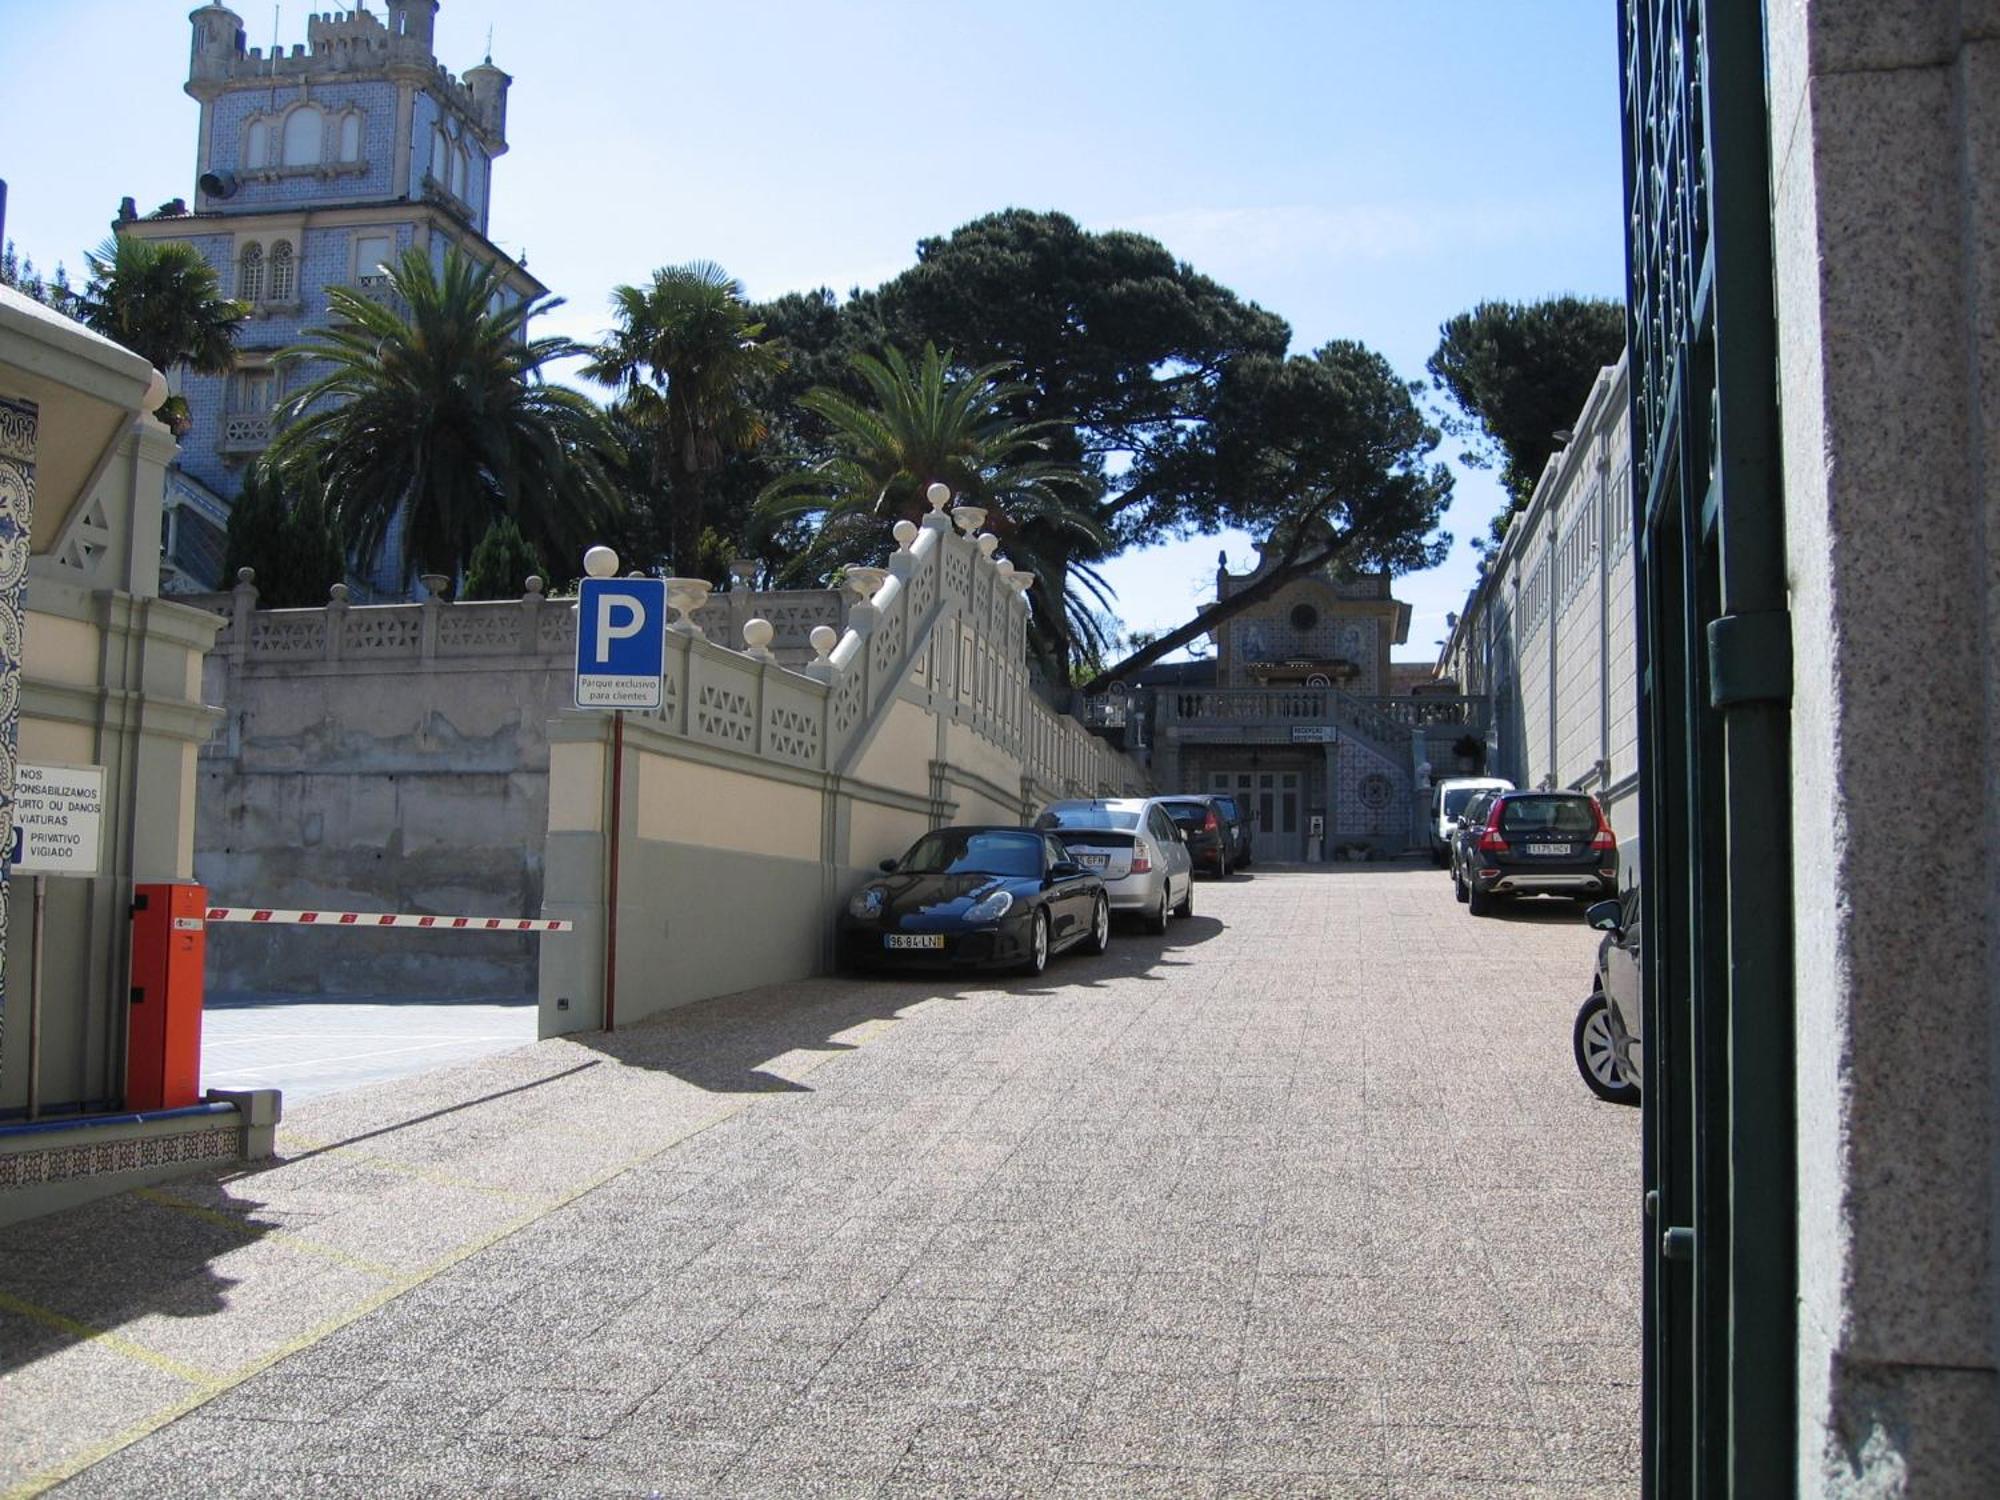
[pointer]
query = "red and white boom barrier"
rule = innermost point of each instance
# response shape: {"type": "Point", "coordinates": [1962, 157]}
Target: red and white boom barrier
{"type": "Point", "coordinates": [277, 918]}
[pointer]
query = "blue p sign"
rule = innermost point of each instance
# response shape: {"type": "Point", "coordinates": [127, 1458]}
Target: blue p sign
{"type": "Point", "coordinates": [621, 642]}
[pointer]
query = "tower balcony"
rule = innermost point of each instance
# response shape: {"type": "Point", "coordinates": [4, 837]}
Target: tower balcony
{"type": "Point", "coordinates": [245, 432]}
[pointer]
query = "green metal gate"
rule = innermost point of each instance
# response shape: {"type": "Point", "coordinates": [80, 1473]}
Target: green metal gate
{"type": "Point", "coordinates": [1715, 688]}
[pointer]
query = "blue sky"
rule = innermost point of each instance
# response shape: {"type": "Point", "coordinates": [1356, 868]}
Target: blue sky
{"type": "Point", "coordinates": [1364, 169]}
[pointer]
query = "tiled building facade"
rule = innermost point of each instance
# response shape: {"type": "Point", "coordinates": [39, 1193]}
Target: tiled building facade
{"type": "Point", "coordinates": [315, 167]}
{"type": "Point", "coordinates": [1297, 717]}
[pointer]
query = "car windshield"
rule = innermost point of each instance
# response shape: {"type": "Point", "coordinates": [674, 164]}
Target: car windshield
{"type": "Point", "coordinates": [975, 851]}
{"type": "Point", "coordinates": [1569, 816]}
{"type": "Point", "coordinates": [1088, 815]}
{"type": "Point", "coordinates": [1226, 806]}
{"type": "Point", "coordinates": [1456, 797]}
{"type": "Point", "coordinates": [1187, 814]}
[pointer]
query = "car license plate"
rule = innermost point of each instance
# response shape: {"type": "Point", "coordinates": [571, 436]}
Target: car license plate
{"type": "Point", "coordinates": [1560, 849]}
{"type": "Point", "coordinates": [913, 940]}
{"type": "Point", "coordinates": [1093, 861]}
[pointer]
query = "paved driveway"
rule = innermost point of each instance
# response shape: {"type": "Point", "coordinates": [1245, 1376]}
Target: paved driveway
{"type": "Point", "coordinates": [1304, 1199]}
{"type": "Point", "coordinates": [312, 1047]}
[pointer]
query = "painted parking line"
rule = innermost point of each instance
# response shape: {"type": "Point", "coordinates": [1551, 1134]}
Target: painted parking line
{"type": "Point", "coordinates": [208, 1386]}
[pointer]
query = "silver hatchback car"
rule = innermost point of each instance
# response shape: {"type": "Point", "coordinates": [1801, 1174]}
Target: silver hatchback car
{"type": "Point", "coordinates": [1133, 845]}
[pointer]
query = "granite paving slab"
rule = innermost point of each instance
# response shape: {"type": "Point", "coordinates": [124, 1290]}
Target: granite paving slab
{"type": "Point", "coordinates": [1278, 1204]}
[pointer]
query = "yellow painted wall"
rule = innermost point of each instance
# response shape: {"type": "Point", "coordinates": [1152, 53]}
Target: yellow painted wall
{"type": "Point", "coordinates": [879, 833]}
{"type": "Point", "coordinates": [54, 649]}
{"type": "Point", "coordinates": [682, 802]}
{"type": "Point", "coordinates": [576, 788]}
{"type": "Point", "coordinates": [50, 742]}
{"type": "Point", "coordinates": [900, 755]}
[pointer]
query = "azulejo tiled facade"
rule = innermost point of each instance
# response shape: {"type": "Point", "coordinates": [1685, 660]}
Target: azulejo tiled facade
{"type": "Point", "coordinates": [17, 513]}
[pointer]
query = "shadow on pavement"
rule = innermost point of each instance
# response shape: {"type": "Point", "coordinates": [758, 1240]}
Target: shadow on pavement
{"type": "Point", "coordinates": [72, 1276]}
{"type": "Point", "coordinates": [728, 1044]}
{"type": "Point", "coordinates": [1547, 911]}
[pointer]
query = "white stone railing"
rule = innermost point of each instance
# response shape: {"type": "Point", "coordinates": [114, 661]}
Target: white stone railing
{"type": "Point", "coordinates": [437, 629]}
{"type": "Point", "coordinates": [796, 676]}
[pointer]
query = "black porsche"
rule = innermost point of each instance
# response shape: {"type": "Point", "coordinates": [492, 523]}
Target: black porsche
{"type": "Point", "coordinates": [967, 897]}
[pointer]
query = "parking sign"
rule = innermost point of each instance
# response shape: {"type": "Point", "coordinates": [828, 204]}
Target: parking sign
{"type": "Point", "coordinates": [621, 642]}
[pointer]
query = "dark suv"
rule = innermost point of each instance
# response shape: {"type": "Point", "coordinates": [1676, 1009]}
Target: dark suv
{"type": "Point", "coordinates": [1465, 832]}
{"type": "Point", "coordinates": [1537, 843]}
{"type": "Point", "coordinates": [1235, 830]}
{"type": "Point", "coordinates": [1200, 822]}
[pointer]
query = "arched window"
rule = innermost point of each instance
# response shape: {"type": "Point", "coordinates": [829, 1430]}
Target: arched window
{"type": "Point", "coordinates": [281, 272]}
{"type": "Point", "coordinates": [250, 274]}
{"type": "Point", "coordinates": [458, 173]}
{"type": "Point", "coordinates": [440, 171]}
{"type": "Point", "coordinates": [257, 149]}
{"type": "Point", "coordinates": [305, 137]}
{"type": "Point", "coordinates": [350, 137]}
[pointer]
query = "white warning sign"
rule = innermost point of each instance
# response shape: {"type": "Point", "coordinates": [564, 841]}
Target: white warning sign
{"type": "Point", "coordinates": [58, 819]}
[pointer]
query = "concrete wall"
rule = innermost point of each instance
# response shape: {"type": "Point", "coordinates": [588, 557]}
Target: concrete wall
{"type": "Point", "coordinates": [396, 758]}
{"type": "Point", "coordinates": [1885, 125]}
{"type": "Point", "coordinates": [1551, 632]}
{"type": "Point", "coordinates": [757, 796]}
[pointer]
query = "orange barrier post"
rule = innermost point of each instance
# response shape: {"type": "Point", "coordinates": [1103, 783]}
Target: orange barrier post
{"type": "Point", "coordinates": [169, 943]}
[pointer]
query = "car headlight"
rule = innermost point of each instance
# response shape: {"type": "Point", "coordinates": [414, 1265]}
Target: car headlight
{"type": "Point", "coordinates": [990, 908]}
{"type": "Point", "coordinates": [867, 903]}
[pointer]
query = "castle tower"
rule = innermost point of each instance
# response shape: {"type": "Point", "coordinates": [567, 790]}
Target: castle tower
{"type": "Point", "coordinates": [218, 42]}
{"type": "Point", "coordinates": [413, 27]}
{"type": "Point", "coordinates": [315, 166]}
{"type": "Point", "coordinates": [489, 99]}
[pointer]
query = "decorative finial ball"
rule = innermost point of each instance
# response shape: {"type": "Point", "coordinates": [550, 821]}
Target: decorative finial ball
{"type": "Point", "coordinates": [535, 584]}
{"type": "Point", "coordinates": [939, 496]}
{"type": "Point", "coordinates": [758, 634]}
{"type": "Point", "coordinates": [905, 532]}
{"type": "Point", "coordinates": [824, 638]}
{"type": "Point", "coordinates": [337, 593]}
{"type": "Point", "coordinates": [601, 562]}
{"type": "Point", "coordinates": [246, 575]}
{"type": "Point", "coordinates": [988, 543]}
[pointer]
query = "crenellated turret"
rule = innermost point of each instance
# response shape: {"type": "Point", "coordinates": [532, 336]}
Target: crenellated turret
{"type": "Point", "coordinates": [413, 28]}
{"type": "Point", "coordinates": [218, 43]}
{"type": "Point", "coordinates": [489, 102]}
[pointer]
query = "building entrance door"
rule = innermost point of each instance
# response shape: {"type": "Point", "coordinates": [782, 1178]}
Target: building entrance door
{"type": "Point", "coordinates": [1271, 798]}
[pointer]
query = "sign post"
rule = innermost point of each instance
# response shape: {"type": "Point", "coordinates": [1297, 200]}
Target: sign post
{"type": "Point", "coordinates": [621, 660]}
{"type": "Point", "coordinates": [58, 830]}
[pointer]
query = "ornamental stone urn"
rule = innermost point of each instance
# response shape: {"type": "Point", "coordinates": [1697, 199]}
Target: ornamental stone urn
{"type": "Point", "coordinates": [863, 581]}
{"type": "Point", "coordinates": [685, 596]}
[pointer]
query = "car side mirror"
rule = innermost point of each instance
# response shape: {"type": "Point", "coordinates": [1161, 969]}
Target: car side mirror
{"type": "Point", "coordinates": [1605, 916]}
{"type": "Point", "coordinates": [887, 867]}
{"type": "Point", "coordinates": [1065, 869]}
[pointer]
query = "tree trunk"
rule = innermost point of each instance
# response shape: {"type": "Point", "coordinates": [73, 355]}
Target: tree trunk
{"type": "Point", "coordinates": [1214, 615]}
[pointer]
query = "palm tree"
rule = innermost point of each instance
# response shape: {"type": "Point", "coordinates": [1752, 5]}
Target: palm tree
{"type": "Point", "coordinates": [433, 404]}
{"type": "Point", "coordinates": [685, 357]}
{"type": "Point", "coordinates": [925, 424]}
{"type": "Point", "coordinates": [163, 301]}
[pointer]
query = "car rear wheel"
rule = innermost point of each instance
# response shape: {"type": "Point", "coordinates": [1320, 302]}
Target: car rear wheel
{"type": "Point", "coordinates": [1480, 901]}
{"type": "Point", "coordinates": [1038, 945]}
{"type": "Point", "coordinates": [1186, 908]}
{"type": "Point", "coordinates": [1156, 920]}
{"type": "Point", "coordinates": [1100, 926]}
{"type": "Point", "coordinates": [1458, 886]}
{"type": "Point", "coordinates": [1597, 1053]}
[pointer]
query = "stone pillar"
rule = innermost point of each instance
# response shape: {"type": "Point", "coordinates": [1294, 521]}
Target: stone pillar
{"type": "Point", "coordinates": [1885, 135]}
